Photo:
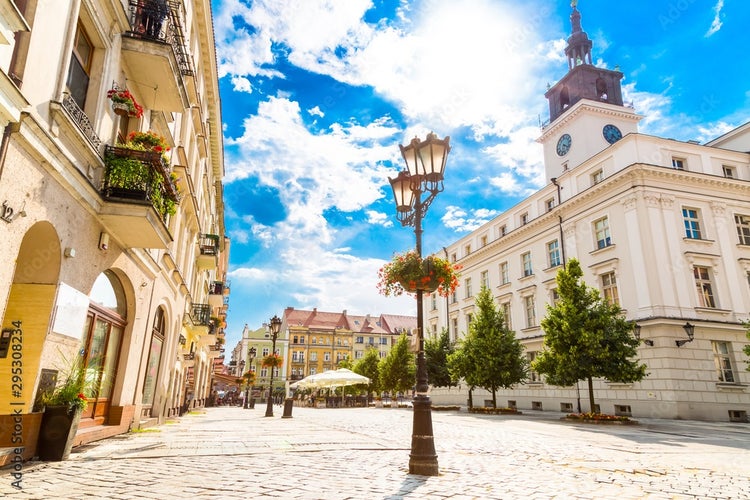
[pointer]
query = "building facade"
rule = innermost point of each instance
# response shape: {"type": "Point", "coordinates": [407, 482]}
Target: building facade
{"type": "Point", "coordinates": [660, 226]}
{"type": "Point", "coordinates": [111, 166]}
{"type": "Point", "coordinates": [312, 341]}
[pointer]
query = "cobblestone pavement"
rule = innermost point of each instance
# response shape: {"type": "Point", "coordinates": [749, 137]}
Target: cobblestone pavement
{"type": "Point", "coordinates": [359, 453]}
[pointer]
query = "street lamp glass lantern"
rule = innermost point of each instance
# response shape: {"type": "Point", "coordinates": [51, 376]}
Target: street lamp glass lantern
{"type": "Point", "coordinates": [275, 325]}
{"type": "Point", "coordinates": [413, 159]}
{"type": "Point", "coordinates": [433, 154]}
{"type": "Point", "coordinates": [402, 192]}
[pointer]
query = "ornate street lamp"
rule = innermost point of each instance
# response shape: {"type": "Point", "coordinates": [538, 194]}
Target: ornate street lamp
{"type": "Point", "coordinates": [689, 331]}
{"type": "Point", "coordinates": [275, 327]}
{"type": "Point", "coordinates": [425, 164]}
{"type": "Point", "coordinates": [250, 357]}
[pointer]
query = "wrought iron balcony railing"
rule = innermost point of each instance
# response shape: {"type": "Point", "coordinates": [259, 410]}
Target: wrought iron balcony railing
{"type": "Point", "coordinates": [201, 314]}
{"type": "Point", "coordinates": [209, 244]}
{"type": "Point", "coordinates": [161, 21]}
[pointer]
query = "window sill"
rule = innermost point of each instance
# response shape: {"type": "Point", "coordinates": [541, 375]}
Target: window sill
{"type": "Point", "coordinates": [730, 387]}
{"type": "Point", "coordinates": [602, 249]}
{"type": "Point", "coordinates": [618, 385]}
{"type": "Point", "coordinates": [698, 240]}
{"type": "Point", "coordinates": [527, 277]}
{"type": "Point", "coordinates": [535, 383]}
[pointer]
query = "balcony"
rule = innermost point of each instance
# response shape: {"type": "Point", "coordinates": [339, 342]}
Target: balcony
{"type": "Point", "coordinates": [198, 320]}
{"type": "Point", "coordinates": [139, 194]}
{"type": "Point", "coordinates": [154, 50]}
{"type": "Point", "coordinates": [216, 294]}
{"type": "Point", "coordinates": [209, 251]}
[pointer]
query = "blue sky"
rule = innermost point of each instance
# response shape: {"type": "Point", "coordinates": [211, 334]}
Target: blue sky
{"type": "Point", "coordinates": [318, 94]}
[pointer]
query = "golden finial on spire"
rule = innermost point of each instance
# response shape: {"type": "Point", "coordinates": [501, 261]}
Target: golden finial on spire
{"type": "Point", "coordinates": [574, 3]}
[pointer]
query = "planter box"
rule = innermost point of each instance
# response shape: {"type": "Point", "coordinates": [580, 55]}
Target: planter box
{"type": "Point", "coordinates": [57, 432]}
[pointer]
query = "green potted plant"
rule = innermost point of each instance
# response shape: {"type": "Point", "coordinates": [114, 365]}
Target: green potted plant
{"type": "Point", "coordinates": [63, 405]}
{"type": "Point", "coordinates": [408, 272]}
{"type": "Point", "coordinates": [124, 104]}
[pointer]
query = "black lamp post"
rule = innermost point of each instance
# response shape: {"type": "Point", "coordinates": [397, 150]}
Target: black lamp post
{"type": "Point", "coordinates": [275, 327]}
{"type": "Point", "coordinates": [425, 163]}
{"type": "Point", "coordinates": [250, 357]}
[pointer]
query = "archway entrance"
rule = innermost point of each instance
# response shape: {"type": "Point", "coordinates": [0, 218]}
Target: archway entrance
{"type": "Point", "coordinates": [102, 338]}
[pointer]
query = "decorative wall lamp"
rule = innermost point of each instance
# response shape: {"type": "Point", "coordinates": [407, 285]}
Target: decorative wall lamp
{"type": "Point", "coordinates": [690, 331]}
{"type": "Point", "coordinates": [637, 335]}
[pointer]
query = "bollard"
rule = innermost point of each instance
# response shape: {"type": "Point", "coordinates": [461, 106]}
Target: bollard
{"type": "Point", "coordinates": [288, 404]}
{"type": "Point", "coordinates": [252, 403]}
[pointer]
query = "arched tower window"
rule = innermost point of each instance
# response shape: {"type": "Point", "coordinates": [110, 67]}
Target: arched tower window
{"type": "Point", "coordinates": [601, 89]}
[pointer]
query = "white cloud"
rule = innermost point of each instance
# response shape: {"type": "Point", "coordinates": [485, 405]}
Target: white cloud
{"type": "Point", "coordinates": [315, 111]}
{"type": "Point", "coordinates": [379, 218]}
{"type": "Point", "coordinates": [462, 221]}
{"type": "Point", "coordinates": [716, 23]}
{"type": "Point", "coordinates": [241, 84]}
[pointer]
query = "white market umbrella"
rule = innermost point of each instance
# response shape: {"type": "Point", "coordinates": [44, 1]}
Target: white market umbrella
{"type": "Point", "coordinates": [331, 378]}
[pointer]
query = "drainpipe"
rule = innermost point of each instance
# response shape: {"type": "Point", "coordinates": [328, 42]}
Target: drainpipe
{"type": "Point", "coordinates": [4, 145]}
{"type": "Point", "coordinates": [447, 312]}
{"type": "Point", "coordinates": [560, 220]}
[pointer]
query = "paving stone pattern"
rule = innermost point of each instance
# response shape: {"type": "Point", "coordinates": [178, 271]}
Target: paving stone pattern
{"type": "Point", "coordinates": [360, 453]}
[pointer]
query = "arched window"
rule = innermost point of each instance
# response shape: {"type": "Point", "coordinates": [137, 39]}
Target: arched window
{"type": "Point", "coordinates": [601, 89]}
{"type": "Point", "coordinates": [564, 98]}
{"type": "Point", "coordinates": [102, 337]}
{"type": "Point", "coordinates": [154, 358]}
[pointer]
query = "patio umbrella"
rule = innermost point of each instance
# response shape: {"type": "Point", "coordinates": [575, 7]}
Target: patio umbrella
{"type": "Point", "coordinates": [331, 378]}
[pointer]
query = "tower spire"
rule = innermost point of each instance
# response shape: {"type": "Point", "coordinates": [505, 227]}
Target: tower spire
{"type": "Point", "coordinates": [579, 46]}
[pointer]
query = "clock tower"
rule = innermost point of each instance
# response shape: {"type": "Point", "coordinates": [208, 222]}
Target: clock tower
{"type": "Point", "coordinates": [586, 111]}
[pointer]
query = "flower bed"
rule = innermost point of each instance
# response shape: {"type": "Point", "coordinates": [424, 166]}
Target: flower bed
{"type": "Point", "coordinates": [598, 418]}
{"type": "Point", "coordinates": [446, 408]}
{"type": "Point", "coordinates": [494, 411]}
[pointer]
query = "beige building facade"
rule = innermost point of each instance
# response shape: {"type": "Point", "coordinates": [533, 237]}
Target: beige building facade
{"type": "Point", "coordinates": [112, 221]}
{"type": "Point", "coordinates": [660, 226]}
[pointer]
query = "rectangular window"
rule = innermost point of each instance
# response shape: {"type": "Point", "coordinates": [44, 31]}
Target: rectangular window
{"type": "Point", "coordinates": [678, 163]}
{"type": "Point", "coordinates": [80, 67]}
{"type": "Point", "coordinates": [530, 309]}
{"type": "Point", "coordinates": [554, 297]}
{"type": "Point", "coordinates": [360, 340]}
{"type": "Point", "coordinates": [484, 279]}
{"type": "Point", "coordinates": [691, 219]}
{"type": "Point", "coordinates": [729, 172]}
{"type": "Point", "coordinates": [723, 361]}
{"type": "Point", "coordinates": [358, 354]}
{"type": "Point", "coordinates": [524, 218]}
{"type": "Point", "coordinates": [302, 339]}
{"type": "Point", "coordinates": [327, 356]}
{"type": "Point", "coordinates": [294, 356]}
{"type": "Point", "coordinates": [314, 357]}
{"type": "Point", "coordinates": [467, 250]}
{"type": "Point", "coordinates": [597, 177]}
{"type": "Point", "coordinates": [313, 370]}
{"type": "Point", "coordinates": [383, 340]}
{"type": "Point", "coordinates": [371, 340]}
{"type": "Point", "coordinates": [467, 287]}
{"type": "Point", "coordinates": [550, 204]}
{"type": "Point", "coordinates": [433, 301]}
{"type": "Point", "coordinates": [601, 231]}
{"type": "Point", "coordinates": [266, 350]}
{"type": "Point", "coordinates": [264, 372]}
{"type": "Point", "coordinates": [504, 275]}
{"type": "Point", "coordinates": [505, 308]}
{"type": "Point", "coordinates": [609, 288]}
{"type": "Point", "coordinates": [533, 376]}
{"type": "Point", "coordinates": [295, 340]}
{"type": "Point", "coordinates": [454, 297]}
{"type": "Point", "coordinates": [743, 228]}
{"type": "Point", "coordinates": [503, 230]}
{"type": "Point", "coordinates": [553, 251]}
{"type": "Point", "coordinates": [454, 258]}
{"type": "Point", "coordinates": [526, 264]}
{"type": "Point", "coordinates": [703, 285]}
{"type": "Point", "coordinates": [483, 241]}
{"type": "Point", "coordinates": [454, 328]}
{"type": "Point", "coordinates": [315, 340]}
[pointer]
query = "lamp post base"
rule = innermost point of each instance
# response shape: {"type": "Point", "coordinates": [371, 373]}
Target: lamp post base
{"type": "Point", "coordinates": [423, 459]}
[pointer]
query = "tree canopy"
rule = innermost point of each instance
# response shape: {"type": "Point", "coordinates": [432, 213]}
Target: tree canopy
{"type": "Point", "coordinates": [586, 336]}
{"type": "Point", "coordinates": [489, 356]}
{"type": "Point", "coordinates": [368, 366]}
{"type": "Point", "coordinates": [436, 351]}
{"type": "Point", "coordinates": [398, 370]}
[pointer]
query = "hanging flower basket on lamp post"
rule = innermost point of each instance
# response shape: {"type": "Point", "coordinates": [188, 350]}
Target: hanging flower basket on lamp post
{"type": "Point", "coordinates": [408, 272]}
{"type": "Point", "coordinates": [272, 361]}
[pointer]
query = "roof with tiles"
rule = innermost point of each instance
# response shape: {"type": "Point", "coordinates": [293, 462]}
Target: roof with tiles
{"type": "Point", "coordinates": [384, 324]}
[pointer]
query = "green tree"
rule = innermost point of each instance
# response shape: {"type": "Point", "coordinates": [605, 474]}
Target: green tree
{"type": "Point", "coordinates": [436, 351]}
{"type": "Point", "coordinates": [459, 365]}
{"type": "Point", "coordinates": [586, 336]}
{"type": "Point", "coordinates": [368, 366]}
{"type": "Point", "coordinates": [498, 356]}
{"type": "Point", "coordinates": [346, 363]}
{"type": "Point", "coordinates": [398, 370]}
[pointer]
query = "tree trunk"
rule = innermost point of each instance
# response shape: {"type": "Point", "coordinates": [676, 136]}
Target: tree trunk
{"type": "Point", "coordinates": [494, 399]}
{"type": "Point", "coordinates": [591, 394]}
{"type": "Point", "coordinates": [471, 402]}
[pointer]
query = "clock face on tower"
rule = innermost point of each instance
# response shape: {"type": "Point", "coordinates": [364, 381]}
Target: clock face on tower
{"type": "Point", "coordinates": [563, 144]}
{"type": "Point", "coordinates": [611, 133]}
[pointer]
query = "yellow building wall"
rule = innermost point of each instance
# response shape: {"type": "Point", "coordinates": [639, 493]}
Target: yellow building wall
{"type": "Point", "coordinates": [28, 315]}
